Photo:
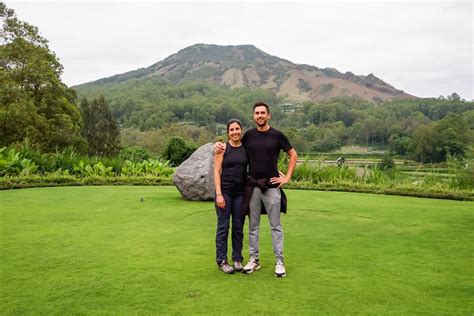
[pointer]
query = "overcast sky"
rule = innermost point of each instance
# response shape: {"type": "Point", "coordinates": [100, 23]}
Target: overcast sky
{"type": "Point", "coordinates": [424, 48]}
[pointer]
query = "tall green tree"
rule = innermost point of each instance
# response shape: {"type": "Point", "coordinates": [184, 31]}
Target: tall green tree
{"type": "Point", "coordinates": [100, 128]}
{"type": "Point", "coordinates": [34, 102]}
{"type": "Point", "coordinates": [449, 136]}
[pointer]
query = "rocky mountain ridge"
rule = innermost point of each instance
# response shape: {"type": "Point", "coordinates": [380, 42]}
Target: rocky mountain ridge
{"type": "Point", "coordinates": [247, 66]}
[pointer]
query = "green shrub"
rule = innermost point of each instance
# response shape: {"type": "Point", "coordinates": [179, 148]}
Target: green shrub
{"type": "Point", "coordinates": [386, 163]}
{"type": "Point", "coordinates": [305, 172]}
{"type": "Point", "coordinates": [336, 174]}
{"type": "Point", "coordinates": [303, 85]}
{"type": "Point", "coordinates": [326, 88]}
{"type": "Point", "coordinates": [134, 153]}
{"type": "Point", "coordinates": [9, 162]}
{"type": "Point", "coordinates": [114, 162]}
{"type": "Point", "coordinates": [464, 178]}
{"type": "Point", "coordinates": [461, 173]}
{"type": "Point", "coordinates": [64, 159]}
{"type": "Point", "coordinates": [380, 177]}
{"type": "Point", "coordinates": [28, 167]}
{"type": "Point", "coordinates": [317, 173]}
{"type": "Point", "coordinates": [79, 168]}
{"type": "Point", "coordinates": [178, 150]}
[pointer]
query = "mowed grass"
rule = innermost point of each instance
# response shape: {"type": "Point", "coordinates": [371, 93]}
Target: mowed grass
{"type": "Point", "coordinates": [91, 250]}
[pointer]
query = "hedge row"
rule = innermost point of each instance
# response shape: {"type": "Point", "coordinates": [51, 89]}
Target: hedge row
{"type": "Point", "coordinates": [70, 180]}
{"type": "Point", "coordinates": [34, 181]}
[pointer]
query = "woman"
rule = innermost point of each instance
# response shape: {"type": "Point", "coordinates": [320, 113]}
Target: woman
{"type": "Point", "coordinates": [230, 169]}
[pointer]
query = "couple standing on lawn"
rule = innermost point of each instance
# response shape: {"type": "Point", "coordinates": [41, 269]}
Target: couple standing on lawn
{"type": "Point", "coordinates": [238, 194]}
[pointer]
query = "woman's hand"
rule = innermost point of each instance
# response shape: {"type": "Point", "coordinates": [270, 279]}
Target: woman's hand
{"type": "Point", "coordinates": [220, 202]}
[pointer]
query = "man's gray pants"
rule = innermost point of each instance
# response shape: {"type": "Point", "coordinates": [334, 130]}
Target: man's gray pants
{"type": "Point", "coordinates": [272, 201]}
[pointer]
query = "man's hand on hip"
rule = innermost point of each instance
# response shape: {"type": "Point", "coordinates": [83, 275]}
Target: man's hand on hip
{"type": "Point", "coordinates": [281, 180]}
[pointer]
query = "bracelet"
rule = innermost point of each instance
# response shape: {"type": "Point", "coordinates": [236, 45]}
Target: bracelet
{"type": "Point", "coordinates": [218, 194]}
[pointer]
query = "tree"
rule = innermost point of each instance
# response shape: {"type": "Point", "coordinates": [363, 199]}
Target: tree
{"type": "Point", "coordinates": [399, 145]}
{"type": "Point", "coordinates": [424, 144]}
{"type": "Point", "coordinates": [370, 129]}
{"type": "Point", "coordinates": [100, 128]}
{"type": "Point", "coordinates": [296, 139]}
{"type": "Point", "coordinates": [453, 134]}
{"type": "Point", "coordinates": [436, 141]}
{"type": "Point", "coordinates": [34, 103]}
{"type": "Point", "coordinates": [454, 96]}
{"type": "Point", "coordinates": [178, 150]}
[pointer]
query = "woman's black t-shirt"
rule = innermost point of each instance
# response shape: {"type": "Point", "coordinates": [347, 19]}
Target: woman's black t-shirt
{"type": "Point", "coordinates": [234, 170]}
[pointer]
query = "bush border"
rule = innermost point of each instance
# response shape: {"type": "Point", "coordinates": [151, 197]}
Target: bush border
{"type": "Point", "coordinates": [36, 181]}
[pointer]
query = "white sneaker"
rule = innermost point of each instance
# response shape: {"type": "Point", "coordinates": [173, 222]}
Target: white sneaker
{"type": "Point", "coordinates": [225, 267]}
{"type": "Point", "coordinates": [280, 271]}
{"type": "Point", "coordinates": [238, 266]}
{"type": "Point", "coordinates": [251, 266]}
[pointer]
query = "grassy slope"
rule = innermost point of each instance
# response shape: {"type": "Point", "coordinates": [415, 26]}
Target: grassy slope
{"type": "Point", "coordinates": [99, 249]}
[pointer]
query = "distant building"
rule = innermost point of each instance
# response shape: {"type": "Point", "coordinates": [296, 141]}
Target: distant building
{"type": "Point", "coordinates": [289, 107]}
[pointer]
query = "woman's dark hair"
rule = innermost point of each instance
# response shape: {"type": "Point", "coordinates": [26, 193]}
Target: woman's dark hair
{"type": "Point", "coordinates": [260, 103]}
{"type": "Point", "coordinates": [233, 120]}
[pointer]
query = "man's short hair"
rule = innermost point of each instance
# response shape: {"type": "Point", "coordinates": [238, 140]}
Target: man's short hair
{"type": "Point", "coordinates": [260, 103]}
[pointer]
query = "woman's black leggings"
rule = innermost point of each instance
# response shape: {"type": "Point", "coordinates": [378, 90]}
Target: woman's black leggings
{"type": "Point", "coordinates": [232, 207]}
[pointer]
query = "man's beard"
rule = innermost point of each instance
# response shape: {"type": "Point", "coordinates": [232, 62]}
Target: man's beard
{"type": "Point", "coordinates": [261, 124]}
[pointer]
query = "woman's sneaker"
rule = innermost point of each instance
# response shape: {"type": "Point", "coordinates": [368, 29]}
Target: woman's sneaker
{"type": "Point", "coordinates": [251, 266]}
{"type": "Point", "coordinates": [238, 266]}
{"type": "Point", "coordinates": [280, 271]}
{"type": "Point", "coordinates": [225, 267]}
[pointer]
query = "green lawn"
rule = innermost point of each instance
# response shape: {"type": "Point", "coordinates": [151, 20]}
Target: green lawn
{"type": "Point", "coordinates": [101, 250]}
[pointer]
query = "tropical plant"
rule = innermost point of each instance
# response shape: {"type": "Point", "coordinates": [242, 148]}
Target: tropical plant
{"type": "Point", "coordinates": [98, 170]}
{"type": "Point", "coordinates": [131, 168]}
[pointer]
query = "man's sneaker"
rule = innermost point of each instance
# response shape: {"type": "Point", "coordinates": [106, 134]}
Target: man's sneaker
{"type": "Point", "coordinates": [280, 271]}
{"type": "Point", "coordinates": [225, 267]}
{"type": "Point", "coordinates": [251, 266]}
{"type": "Point", "coordinates": [238, 266]}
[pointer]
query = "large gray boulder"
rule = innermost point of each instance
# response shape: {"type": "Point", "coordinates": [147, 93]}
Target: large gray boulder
{"type": "Point", "coordinates": [194, 178]}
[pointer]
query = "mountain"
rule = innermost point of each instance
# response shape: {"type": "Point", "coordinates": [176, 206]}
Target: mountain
{"type": "Point", "coordinates": [247, 66]}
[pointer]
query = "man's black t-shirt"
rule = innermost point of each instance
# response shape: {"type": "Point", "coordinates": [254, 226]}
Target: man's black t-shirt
{"type": "Point", "coordinates": [263, 149]}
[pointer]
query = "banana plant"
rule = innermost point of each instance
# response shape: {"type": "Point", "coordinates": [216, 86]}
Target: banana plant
{"type": "Point", "coordinates": [10, 162]}
{"type": "Point", "coordinates": [133, 168]}
{"type": "Point", "coordinates": [80, 168]}
{"type": "Point", "coordinates": [28, 167]}
{"type": "Point", "coordinates": [158, 168]}
{"type": "Point", "coordinates": [98, 170]}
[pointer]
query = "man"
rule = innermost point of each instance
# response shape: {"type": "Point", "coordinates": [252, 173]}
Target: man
{"type": "Point", "coordinates": [263, 145]}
